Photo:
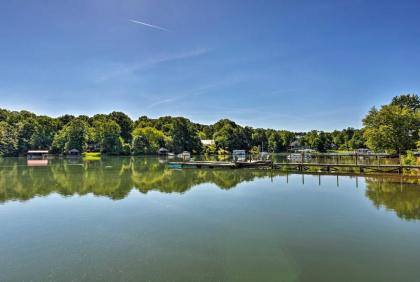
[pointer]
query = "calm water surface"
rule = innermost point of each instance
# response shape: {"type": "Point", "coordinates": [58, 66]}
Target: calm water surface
{"type": "Point", "coordinates": [132, 219]}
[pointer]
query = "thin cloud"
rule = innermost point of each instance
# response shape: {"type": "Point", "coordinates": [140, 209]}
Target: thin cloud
{"type": "Point", "coordinates": [127, 69]}
{"type": "Point", "coordinates": [149, 25]}
{"type": "Point", "coordinates": [203, 90]}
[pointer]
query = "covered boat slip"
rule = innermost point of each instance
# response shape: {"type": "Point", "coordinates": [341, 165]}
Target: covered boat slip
{"type": "Point", "coordinates": [37, 154]}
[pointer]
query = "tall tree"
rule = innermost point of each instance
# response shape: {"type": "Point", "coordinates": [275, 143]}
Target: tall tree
{"type": "Point", "coordinates": [74, 135]}
{"type": "Point", "coordinates": [125, 123]}
{"type": "Point", "coordinates": [407, 101]}
{"type": "Point", "coordinates": [184, 136]}
{"type": "Point", "coordinates": [107, 135]}
{"type": "Point", "coordinates": [148, 140]}
{"type": "Point", "coordinates": [45, 129]}
{"type": "Point", "coordinates": [391, 128]}
{"type": "Point", "coordinates": [8, 140]}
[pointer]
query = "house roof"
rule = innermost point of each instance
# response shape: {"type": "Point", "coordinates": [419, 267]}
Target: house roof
{"type": "Point", "coordinates": [207, 142]}
{"type": "Point", "coordinates": [295, 143]}
{"type": "Point", "coordinates": [38, 152]}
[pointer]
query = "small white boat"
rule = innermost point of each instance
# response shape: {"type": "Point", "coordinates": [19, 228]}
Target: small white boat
{"type": "Point", "coordinates": [298, 157]}
{"type": "Point", "coordinates": [184, 155]}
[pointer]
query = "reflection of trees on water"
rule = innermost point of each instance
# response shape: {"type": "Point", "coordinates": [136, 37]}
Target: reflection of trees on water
{"type": "Point", "coordinates": [116, 177]}
{"type": "Point", "coordinates": [111, 177]}
{"type": "Point", "coordinates": [390, 193]}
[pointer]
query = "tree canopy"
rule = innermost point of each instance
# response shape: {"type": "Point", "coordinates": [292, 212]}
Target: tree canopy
{"type": "Point", "coordinates": [392, 127]}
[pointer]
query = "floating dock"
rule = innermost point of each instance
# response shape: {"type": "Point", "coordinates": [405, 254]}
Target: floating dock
{"type": "Point", "coordinates": [214, 164]}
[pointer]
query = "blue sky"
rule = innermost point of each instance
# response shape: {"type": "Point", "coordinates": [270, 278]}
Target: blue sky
{"type": "Point", "coordinates": [296, 65]}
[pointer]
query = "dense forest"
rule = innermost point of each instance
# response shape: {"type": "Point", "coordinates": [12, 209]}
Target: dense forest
{"type": "Point", "coordinates": [392, 128]}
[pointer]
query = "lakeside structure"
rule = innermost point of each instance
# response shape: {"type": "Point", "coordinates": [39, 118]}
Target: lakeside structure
{"type": "Point", "coordinates": [306, 162]}
{"type": "Point", "coordinates": [37, 154]}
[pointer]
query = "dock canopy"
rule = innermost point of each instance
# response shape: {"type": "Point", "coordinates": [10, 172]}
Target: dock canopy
{"type": "Point", "coordinates": [40, 152]}
{"type": "Point", "coordinates": [163, 151]}
{"type": "Point", "coordinates": [73, 152]}
{"type": "Point", "coordinates": [36, 154]}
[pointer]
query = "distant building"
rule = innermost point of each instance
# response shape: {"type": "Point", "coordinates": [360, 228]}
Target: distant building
{"type": "Point", "coordinates": [238, 155]}
{"type": "Point", "coordinates": [295, 145]}
{"type": "Point", "coordinates": [208, 142]}
{"type": "Point", "coordinates": [363, 151]}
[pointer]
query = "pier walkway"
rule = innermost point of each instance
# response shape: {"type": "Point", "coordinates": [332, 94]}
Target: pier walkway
{"type": "Point", "coordinates": [297, 166]}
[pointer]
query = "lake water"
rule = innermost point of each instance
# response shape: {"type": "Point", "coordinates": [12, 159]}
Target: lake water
{"type": "Point", "coordinates": [132, 219]}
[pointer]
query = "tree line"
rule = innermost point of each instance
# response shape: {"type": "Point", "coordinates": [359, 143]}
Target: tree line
{"type": "Point", "coordinates": [391, 128]}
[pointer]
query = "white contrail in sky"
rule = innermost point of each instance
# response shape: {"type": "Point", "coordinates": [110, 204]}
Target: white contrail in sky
{"type": "Point", "coordinates": [149, 25]}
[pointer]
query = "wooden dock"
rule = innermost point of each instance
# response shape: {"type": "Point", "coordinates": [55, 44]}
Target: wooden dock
{"type": "Point", "coordinates": [215, 164]}
{"type": "Point", "coordinates": [295, 166]}
{"type": "Point", "coordinates": [329, 167]}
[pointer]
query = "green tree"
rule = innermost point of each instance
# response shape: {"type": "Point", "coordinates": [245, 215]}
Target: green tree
{"type": "Point", "coordinates": [139, 145]}
{"type": "Point", "coordinates": [391, 128]}
{"type": "Point", "coordinates": [184, 136]}
{"type": "Point", "coordinates": [275, 142]}
{"type": "Point", "coordinates": [318, 140]}
{"type": "Point", "coordinates": [148, 140]}
{"type": "Point", "coordinates": [230, 136]}
{"type": "Point", "coordinates": [407, 101]}
{"type": "Point", "coordinates": [74, 135]}
{"type": "Point", "coordinates": [107, 136]}
{"type": "Point", "coordinates": [8, 140]}
{"type": "Point", "coordinates": [65, 119]}
{"type": "Point", "coordinates": [125, 123]}
{"type": "Point", "coordinates": [26, 129]}
{"type": "Point", "coordinates": [44, 131]}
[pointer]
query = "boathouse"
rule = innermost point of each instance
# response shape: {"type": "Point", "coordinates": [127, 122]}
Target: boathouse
{"type": "Point", "coordinates": [37, 154]}
{"type": "Point", "coordinates": [163, 152]}
{"type": "Point", "coordinates": [73, 152]}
